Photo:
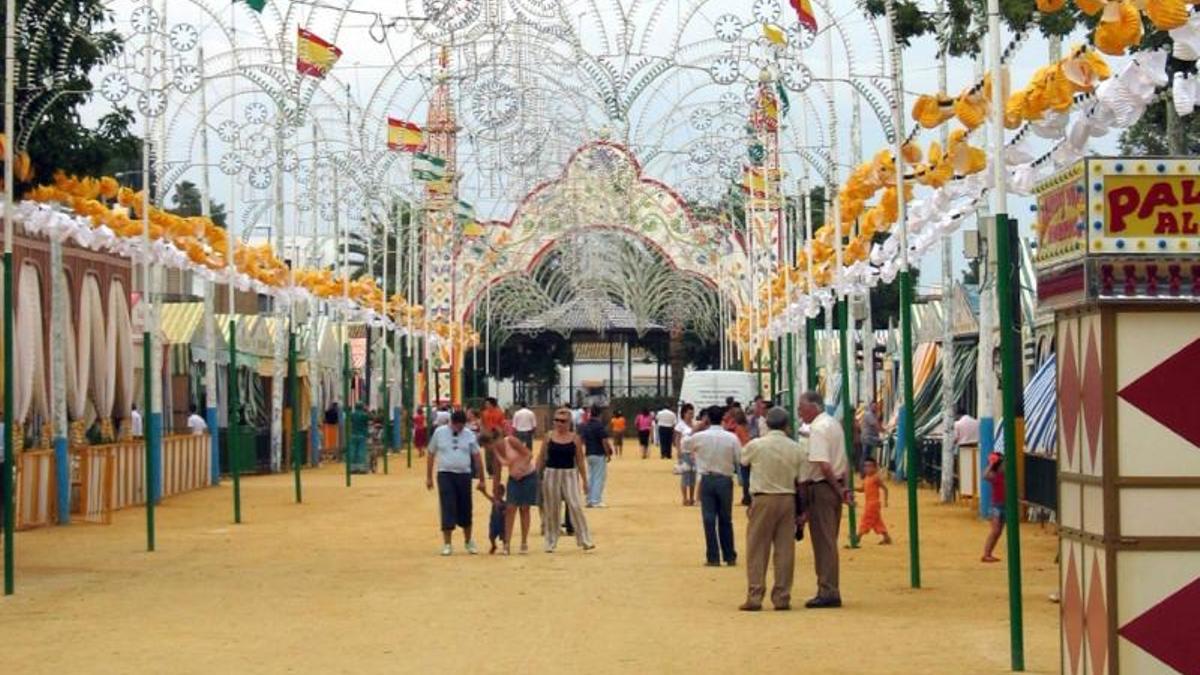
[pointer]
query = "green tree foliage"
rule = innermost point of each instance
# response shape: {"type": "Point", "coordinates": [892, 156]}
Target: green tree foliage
{"type": "Point", "coordinates": [402, 219]}
{"type": "Point", "coordinates": [69, 41]}
{"type": "Point", "coordinates": [534, 359]}
{"type": "Point", "coordinates": [187, 202]}
{"type": "Point", "coordinates": [1152, 134]}
{"type": "Point", "coordinates": [962, 26]}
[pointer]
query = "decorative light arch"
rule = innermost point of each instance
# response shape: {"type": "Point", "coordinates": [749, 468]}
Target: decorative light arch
{"type": "Point", "coordinates": [602, 187]}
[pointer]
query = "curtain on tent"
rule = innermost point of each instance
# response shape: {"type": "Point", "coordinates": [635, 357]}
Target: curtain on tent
{"type": "Point", "coordinates": [119, 385]}
{"type": "Point", "coordinates": [93, 372]}
{"type": "Point", "coordinates": [31, 357]}
{"type": "Point", "coordinates": [1041, 410]}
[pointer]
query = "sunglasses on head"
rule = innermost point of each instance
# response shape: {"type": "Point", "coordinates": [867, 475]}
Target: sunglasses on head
{"type": "Point", "coordinates": [561, 419]}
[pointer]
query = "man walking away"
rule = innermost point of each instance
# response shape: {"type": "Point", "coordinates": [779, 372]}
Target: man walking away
{"type": "Point", "coordinates": [779, 463]}
{"type": "Point", "coordinates": [598, 451]}
{"type": "Point", "coordinates": [525, 424]}
{"type": "Point", "coordinates": [665, 422]}
{"type": "Point", "coordinates": [455, 450]}
{"type": "Point", "coordinates": [826, 491]}
{"type": "Point", "coordinates": [717, 453]}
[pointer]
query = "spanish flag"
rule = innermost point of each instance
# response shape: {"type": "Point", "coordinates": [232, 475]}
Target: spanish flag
{"type": "Point", "coordinates": [314, 56]}
{"type": "Point", "coordinates": [405, 136]}
{"type": "Point", "coordinates": [804, 13]}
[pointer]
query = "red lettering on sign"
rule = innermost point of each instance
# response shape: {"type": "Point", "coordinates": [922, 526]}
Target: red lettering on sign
{"type": "Point", "coordinates": [1190, 226]}
{"type": "Point", "coordinates": [1159, 194]}
{"type": "Point", "coordinates": [1191, 196]}
{"type": "Point", "coordinates": [1122, 202]}
{"type": "Point", "coordinates": [1166, 224]}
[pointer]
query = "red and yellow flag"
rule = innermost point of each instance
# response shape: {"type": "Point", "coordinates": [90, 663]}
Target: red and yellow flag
{"type": "Point", "coordinates": [405, 136]}
{"type": "Point", "coordinates": [314, 56]}
{"type": "Point", "coordinates": [804, 12]}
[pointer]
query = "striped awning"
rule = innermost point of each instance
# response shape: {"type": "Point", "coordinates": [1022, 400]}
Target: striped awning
{"type": "Point", "coordinates": [1041, 410]}
{"type": "Point", "coordinates": [598, 351]}
{"type": "Point", "coordinates": [179, 321]}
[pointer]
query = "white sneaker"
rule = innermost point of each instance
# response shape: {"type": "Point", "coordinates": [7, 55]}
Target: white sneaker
{"type": "Point", "coordinates": [549, 548]}
{"type": "Point", "coordinates": [601, 505]}
{"type": "Point", "coordinates": [446, 549]}
{"type": "Point", "coordinates": [471, 548]}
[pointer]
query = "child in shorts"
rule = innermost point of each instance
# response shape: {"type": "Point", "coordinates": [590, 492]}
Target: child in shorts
{"type": "Point", "coordinates": [496, 524]}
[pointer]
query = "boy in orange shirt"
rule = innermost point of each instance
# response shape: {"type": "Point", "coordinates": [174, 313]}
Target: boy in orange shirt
{"type": "Point", "coordinates": [618, 431]}
{"type": "Point", "coordinates": [872, 520]}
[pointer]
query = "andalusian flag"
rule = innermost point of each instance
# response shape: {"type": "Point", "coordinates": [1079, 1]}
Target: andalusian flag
{"type": "Point", "coordinates": [804, 13]}
{"type": "Point", "coordinates": [256, 5]}
{"type": "Point", "coordinates": [465, 215]}
{"type": "Point", "coordinates": [428, 167]}
{"type": "Point", "coordinates": [405, 136]}
{"type": "Point", "coordinates": [785, 104]}
{"type": "Point", "coordinates": [314, 56]}
{"type": "Point", "coordinates": [464, 212]}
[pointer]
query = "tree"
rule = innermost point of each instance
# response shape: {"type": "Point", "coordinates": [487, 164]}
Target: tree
{"type": "Point", "coordinates": [187, 202]}
{"type": "Point", "coordinates": [1155, 133]}
{"type": "Point", "coordinates": [963, 25]}
{"type": "Point", "coordinates": [403, 217]}
{"type": "Point", "coordinates": [55, 80]}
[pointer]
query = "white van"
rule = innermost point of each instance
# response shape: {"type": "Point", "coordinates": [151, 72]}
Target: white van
{"type": "Point", "coordinates": [703, 388]}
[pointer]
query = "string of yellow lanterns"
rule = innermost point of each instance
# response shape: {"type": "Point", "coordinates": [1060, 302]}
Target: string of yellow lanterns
{"type": "Point", "coordinates": [1052, 88]}
{"type": "Point", "coordinates": [105, 203]}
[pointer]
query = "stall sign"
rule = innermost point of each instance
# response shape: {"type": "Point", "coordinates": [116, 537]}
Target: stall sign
{"type": "Point", "coordinates": [1138, 206]}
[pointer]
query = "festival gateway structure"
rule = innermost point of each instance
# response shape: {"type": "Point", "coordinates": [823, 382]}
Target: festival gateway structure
{"type": "Point", "coordinates": [691, 137]}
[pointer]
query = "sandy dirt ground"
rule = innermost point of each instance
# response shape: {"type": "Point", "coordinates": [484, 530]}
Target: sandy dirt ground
{"type": "Point", "coordinates": [351, 582]}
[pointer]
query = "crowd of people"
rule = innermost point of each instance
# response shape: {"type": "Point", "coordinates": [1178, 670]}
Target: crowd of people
{"type": "Point", "coordinates": [793, 482]}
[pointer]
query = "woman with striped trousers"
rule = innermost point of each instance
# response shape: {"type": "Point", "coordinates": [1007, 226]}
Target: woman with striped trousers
{"type": "Point", "coordinates": [564, 479]}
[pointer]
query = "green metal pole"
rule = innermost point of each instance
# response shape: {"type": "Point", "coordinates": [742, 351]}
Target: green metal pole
{"type": "Point", "coordinates": [910, 434]}
{"type": "Point", "coordinates": [346, 409]}
{"type": "Point", "coordinates": [791, 380]}
{"type": "Point", "coordinates": [294, 389]}
{"type": "Point", "coordinates": [771, 368]}
{"type": "Point", "coordinates": [147, 381]}
{"type": "Point", "coordinates": [406, 397]}
{"type": "Point", "coordinates": [848, 412]}
{"type": "Point", "coordinates": [1008, 268]}
{"type": "Point", "coordinates": [235, 449]}
{"type": "Point", "coordinates": [10, 502]}
{"type": "Point", "coordinates": [387, 408]}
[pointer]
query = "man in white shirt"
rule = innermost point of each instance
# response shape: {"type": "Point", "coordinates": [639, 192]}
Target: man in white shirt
{"type": "Point", "coordinates": [195, 422]}
{"type": "Point", "coordinates": [718, 454]}
{"type": "Point", "coordinates": [524, 424]}
{"type": "Point", "coordinates": [966, 429]}
{"type": "Point", "coordinates": [442, 417]}
{"type": "Point", "coordinates": [135, 423]}
{"type": "Point", "coordinates": [665, 420]}
{"type": "Point", "coordinates": [826, 492]}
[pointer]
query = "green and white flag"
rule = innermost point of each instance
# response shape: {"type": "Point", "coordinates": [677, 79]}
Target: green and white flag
{"type": "Point", "coordinates": [428, 167]}
{"type": "Point", "coordinates": [464, 212]}
{"type": "Point", "coordinates": [256, 5]}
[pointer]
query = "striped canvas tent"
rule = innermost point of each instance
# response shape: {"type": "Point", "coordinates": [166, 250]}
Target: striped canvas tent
{"type": "Point", "coordinates": [1041, 412]}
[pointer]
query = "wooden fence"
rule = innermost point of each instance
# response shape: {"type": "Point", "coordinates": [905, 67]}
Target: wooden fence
{"type": "Point", "coordinates": [110, 477]}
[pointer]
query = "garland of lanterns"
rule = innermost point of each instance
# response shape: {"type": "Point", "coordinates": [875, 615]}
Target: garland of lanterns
{"type": "Point", "coordinates": [201, 245]}
{"type": "Point", "coordinates": [1052, 88]}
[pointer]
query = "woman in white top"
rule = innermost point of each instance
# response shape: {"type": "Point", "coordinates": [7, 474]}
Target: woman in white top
{"type": "Point", "coordinates": [687, 460]}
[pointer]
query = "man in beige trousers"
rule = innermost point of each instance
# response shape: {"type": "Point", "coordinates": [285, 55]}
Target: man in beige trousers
{"type": "Point", "coordinates": [776, 464]}
{"type": "Point", "coordinates": [826, 492]}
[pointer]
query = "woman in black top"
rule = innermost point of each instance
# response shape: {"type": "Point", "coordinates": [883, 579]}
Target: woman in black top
{"type": "Point", "coordinates": [565, 475]}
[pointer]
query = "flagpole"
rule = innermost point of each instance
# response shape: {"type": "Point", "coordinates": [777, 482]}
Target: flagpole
{"type": "Point", "coordinates": [231, 381]}
{"type": "Point", "coordinates": [10, 502]}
